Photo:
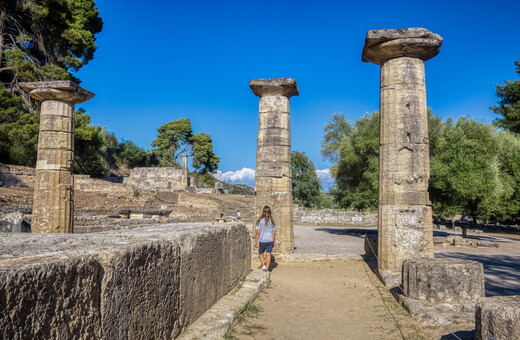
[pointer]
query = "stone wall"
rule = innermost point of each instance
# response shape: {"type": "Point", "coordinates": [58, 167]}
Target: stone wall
{"type": "Point", "coordinates": [145, 283]}
{"type": "Point", "coordinates": [157, 179]}
{"type": "Point", "coordinates": [85, 183]}
{"type": "Point", "coordinates": [16, 176]}
{"type": "Point", "coordinates": [328, 216]}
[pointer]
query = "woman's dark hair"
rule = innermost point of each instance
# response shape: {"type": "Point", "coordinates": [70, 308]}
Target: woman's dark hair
{"type": "Point", "coordinates": [266, 215]}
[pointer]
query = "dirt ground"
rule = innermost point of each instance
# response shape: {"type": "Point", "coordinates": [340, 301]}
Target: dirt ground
{"type": "Point", "coordinates": [340, 299]}
{"type": "Point", "coordinates": [344, 299]}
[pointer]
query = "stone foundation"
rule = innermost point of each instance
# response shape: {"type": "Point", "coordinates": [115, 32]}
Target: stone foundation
{"type": "Point", "coordinates": [447, 289]}
{"type": "Point", "coordinates": [498, 318]}
{"type": "Point", "coordinates": [146, 283]}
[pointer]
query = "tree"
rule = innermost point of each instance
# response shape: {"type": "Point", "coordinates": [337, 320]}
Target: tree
{"type": "Point", "coordinates": [336, 128]}
{"type": "Point", "coordinates": [204, 158]}
{"type": "Point", "coordinates": [509, 104]}
{"type": "Point", "coordinates": [356, 171]}
{"type": "Point", "coordinates": [42, 40]}
{"type": "Point", "coordinates": [465, 170]}
{"type": "Point", "coordinates": [173, 139]}
{"type": "Point", "coordinates": [306, 185]}
{"type": "Point", "coordinates": [18, 131]}
{"type": "Point", "coordinates": [88, 144]}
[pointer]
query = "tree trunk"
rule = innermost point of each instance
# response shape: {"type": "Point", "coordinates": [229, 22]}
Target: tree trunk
{"type": "Point", "coordinates": [3, 19]}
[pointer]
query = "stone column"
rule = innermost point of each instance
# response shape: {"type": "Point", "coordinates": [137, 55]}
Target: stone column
{"type": "Point", "coordinates": [185, 178]}
{"type": "Point", "coordinates": [405, 213]}
{"type": "Point", "coordinates": [273, 177]}
{"type": "Point", "coordinates": [53, 206]}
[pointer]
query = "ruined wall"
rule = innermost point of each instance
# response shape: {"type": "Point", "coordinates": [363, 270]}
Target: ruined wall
{"type": "Point", "coordinates": [328, 216]}
{"type": "Point", "coordinates": [157, 179]}
{"type": "Point", "coordinates": [145, 283]}
{"type": "Point", "coordinates": [16, 176]}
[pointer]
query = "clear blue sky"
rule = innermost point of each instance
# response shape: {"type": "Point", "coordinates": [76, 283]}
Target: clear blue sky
{"type": "Point", "coordinates": [164, 60]}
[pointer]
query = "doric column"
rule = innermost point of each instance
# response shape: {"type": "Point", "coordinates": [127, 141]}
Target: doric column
{"type": "Point", "coordinates": [273, 177]}
{"type": "Point", "coordinates": [53, 206]}
{"type": "Point", "coordinates": [405, 213]}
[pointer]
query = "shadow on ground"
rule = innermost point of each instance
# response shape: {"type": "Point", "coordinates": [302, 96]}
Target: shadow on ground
{"type": "Point", "coordinates": [463, 335]}
{"type": "Point", "coordinates": [356, 232]}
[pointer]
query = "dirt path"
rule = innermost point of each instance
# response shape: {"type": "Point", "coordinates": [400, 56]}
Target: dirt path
{"type": "Point", "coordinates": [340, 299]}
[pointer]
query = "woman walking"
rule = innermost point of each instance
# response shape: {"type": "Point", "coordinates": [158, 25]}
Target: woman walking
{"type": "Point", "coordinates": [265, 234]}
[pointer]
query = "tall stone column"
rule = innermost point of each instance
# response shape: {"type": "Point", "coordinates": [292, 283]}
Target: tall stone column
{"type": "Point", "coordinates": [185, 178]}
{"type": "Point", "coordinates": [405, 213]}
{"type": "Point", "coordinates": [53, 206]}
{"type": "Point", "coordinates": [273, 177]}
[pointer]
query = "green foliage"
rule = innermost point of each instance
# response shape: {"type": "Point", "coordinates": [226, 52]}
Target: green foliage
{"type": "Point", "coordinates": [207, 179]}
{"type": "Point", "coordinates": [18, 131]}
{"type": "Point", "coordinates": [42, 40]}
{"type": "Point", "coordinates": [509, 104]}
{"type": "Point", "coordinates": [336, 128]}
{"type": "Point", "coordinates": [204, 158]}
{"type": "Point", "coordinates": [474, 168]}
{"type": "Point", "coordinates": [306, 185]}
{"type": "Point", "coordinates": [88, 143]}
{"type": "Point", "coordinates": [173, 139]}
{"type": "Point", "coordinates": [356, 171]}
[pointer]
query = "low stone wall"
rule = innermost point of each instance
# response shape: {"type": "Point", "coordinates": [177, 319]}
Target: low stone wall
{"type": "Point", "coordinates": [145, 283]}
{"type": "Point", "coordinates": [85, 183]}
{"type": "Point", "coordinates": [328, 216]}
{"type": "Point", "coordinates": [16, 176]}
{"type": "Point", "coordinates": [157, 179]}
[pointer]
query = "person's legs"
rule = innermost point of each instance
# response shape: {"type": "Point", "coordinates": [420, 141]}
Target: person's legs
{"type": "Point", "coordinates": [262, 261]}
{"type": "Point", "coordinates": [268, 261]}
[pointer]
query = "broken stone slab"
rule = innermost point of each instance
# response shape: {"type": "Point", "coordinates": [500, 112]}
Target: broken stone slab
{"type": "Point", "coordinates": [498, 318]}
{"type": "Point", "coordinates": [15, 223]}
{"type": "Point", "coordinates": [447, 288]}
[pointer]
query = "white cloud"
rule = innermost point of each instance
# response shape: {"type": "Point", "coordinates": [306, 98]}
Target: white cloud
{"type": "Point", "coordinates": [245, 176]}
{"type": "Point", "coordinates": [326, 178]}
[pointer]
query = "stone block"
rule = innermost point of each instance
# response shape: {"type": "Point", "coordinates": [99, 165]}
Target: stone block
{"type": "Point", "coordinates": [15, 223]}
{"type": "Point", "coordinates": [274, 169]}
{"type": "Point", "coordinates": [498, 318]}
{"type": "Point", "coordinates": [53, 159]}
{"type": "Point", "coordinates": [272, 152]}
{"type": "Point", "coordinates": [145, 283]}
{"type": "Point", "coordinates": [451, 281]}
{"type": "Point", "coordinates": [56, 123]}
{"type": "Point", "coordinates": [274, 104]}
{"type": "Point", "coordinates": [279, 120]}
{"type": "Point", "coordinates": [56, 108]}
{"type": "Point", "coordinates": [56, 140]}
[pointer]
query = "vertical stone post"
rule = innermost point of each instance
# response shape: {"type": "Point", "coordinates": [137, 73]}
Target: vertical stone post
{"type": "Point", "coordinates": [405, 213]}
{"type": "Point", "coordinates": [185, 178]}
{"type": "Point", "coordinates": [53, 206]}
{"type": "Point", "coordinates": [273, 177]}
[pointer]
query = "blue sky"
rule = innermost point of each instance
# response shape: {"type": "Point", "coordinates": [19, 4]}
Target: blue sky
{"type": "Point", "coordinates": [165, 60]}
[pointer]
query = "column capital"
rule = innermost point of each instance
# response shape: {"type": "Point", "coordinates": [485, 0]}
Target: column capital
{"type": "Point", "coordinates": [62, 90]}
{"type": "Point", "coordinates": [274, 87]}
{"type": "Point", "coordinates": [382, 45]}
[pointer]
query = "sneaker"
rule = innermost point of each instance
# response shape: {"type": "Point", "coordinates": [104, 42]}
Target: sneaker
{"type": "Point", "coordinates": [263, 268]}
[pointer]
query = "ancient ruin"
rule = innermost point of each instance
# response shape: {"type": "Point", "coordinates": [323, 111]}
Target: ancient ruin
{"type": "Point", "coordinates": [273, 178]}
{"type": "Point", "coordinates": [405, 213]}
{"type": "Point", "coordinates": [54, 184]}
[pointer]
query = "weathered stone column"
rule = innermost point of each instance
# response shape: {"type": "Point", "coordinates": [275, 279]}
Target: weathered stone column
{"type": "Point", "coordinates": [53, 207]}
{"type": "Point", "coordinates": [273, 177]}
{"type": "Point", "coordinates": [185, 178]}
{"type": "Point", "coordinates": [405, 213]}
